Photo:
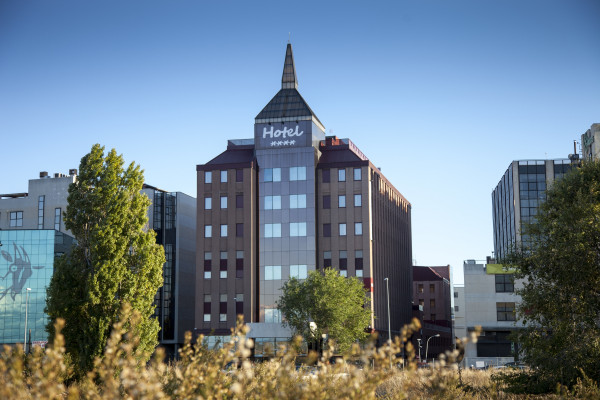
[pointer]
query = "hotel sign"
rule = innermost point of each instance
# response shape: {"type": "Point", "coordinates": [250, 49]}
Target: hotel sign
{"type": "Point", "coordinates": [282, 135]}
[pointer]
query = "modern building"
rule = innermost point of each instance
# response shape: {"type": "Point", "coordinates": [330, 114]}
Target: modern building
{"type": "Point", "coordinates": [171, 215]}
{"type": "Point", "coordinates": [289, 201]}
{"type": "Point", "coordinates": [517, 197]}
{"type": "Point", "coordinates": [460, 327]}
{"type": "Point", "coordinates": [432, 292]}
{"type": "Point", "coordinates": [26, 266]}
{"type": "Point", "coordinates": [489, 303]}
{"type": "Point", "coordinates": [590, 143]}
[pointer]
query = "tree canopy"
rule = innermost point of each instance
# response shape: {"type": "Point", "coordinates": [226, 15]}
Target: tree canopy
{"type": "Point", "coordinates": [115, 259]}
{"type": "Point", "coordinates": [561, 271]}
{"type": "Point", "coordinates": [337, 306]}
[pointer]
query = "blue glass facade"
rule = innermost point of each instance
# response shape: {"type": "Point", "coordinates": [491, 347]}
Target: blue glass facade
{"type": "Point", "coordinates": [26, 261]}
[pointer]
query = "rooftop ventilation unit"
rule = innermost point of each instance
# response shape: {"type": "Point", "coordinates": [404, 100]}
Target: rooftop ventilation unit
{"type": "Point", "coordinates": [43, 174]}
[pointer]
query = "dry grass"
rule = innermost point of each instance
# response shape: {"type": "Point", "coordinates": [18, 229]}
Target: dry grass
{"type": "Point", "coordinates": [200, 374]}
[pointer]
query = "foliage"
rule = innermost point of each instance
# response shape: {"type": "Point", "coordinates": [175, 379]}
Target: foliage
{"type": "Point", "coordinates": [115, 260]}
{"type": "Point", "coordinates": [561, 272]}
{"type": "Point", "coordinates": [334, 303]}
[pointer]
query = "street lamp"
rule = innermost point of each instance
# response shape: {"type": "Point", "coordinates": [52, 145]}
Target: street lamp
{"type": "Point", "coordinates": [387, 286]}
{"type": "Point", "coordinates": [427, 346]}
{"type": "Point", "coordinates": [26, 303]}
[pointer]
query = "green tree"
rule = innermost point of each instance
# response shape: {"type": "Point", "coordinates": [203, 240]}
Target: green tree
{"type": "Point", "coordinates": [115, 260]}
{"type": "Point", "coordinates": [337, 305]}
{"type": "Point", "coordinates": [561, 270]}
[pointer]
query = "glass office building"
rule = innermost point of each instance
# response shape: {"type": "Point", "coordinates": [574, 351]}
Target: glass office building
{"type": "Point", "coordinates": [26, 266]}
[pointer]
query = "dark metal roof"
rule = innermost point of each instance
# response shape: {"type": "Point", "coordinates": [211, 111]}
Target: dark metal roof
{"type": "Point", "coordinates": [431, 273]}
{"type": "Point", "coordinates": [237, 157]}
{"type": "Point", "coordinates": [287, 104]}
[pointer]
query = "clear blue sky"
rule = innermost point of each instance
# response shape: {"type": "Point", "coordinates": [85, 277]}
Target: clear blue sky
{"type": "Point", "coordinates": [442, 95]}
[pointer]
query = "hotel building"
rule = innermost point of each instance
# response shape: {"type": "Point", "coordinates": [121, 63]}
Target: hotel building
{"type": "Point", "coordinates": [289, 201]}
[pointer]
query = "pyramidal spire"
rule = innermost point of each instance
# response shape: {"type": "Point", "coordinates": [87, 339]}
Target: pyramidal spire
{"type": "Point", "coordinates": [288, 80]}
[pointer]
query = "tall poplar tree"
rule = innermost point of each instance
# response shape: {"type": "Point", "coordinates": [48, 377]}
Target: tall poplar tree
{"type": "Point", "coordinates": [115, 259]}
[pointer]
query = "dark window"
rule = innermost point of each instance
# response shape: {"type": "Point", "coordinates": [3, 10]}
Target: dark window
{"type": "Point", "coordinates": [326, 175]}
{"type": "Point", "coordinates": [206, 308]}
{"type": "Point", "coordinates": [326, 230]}
{"type": "Point", "coordinates": [433, 317]}
{"type": "Point", "coordinates": [239, 201]}
{"type": "Point", "coordinates": [455, 295]}
{"type": "Point", "coordinates": [505, 311]}
{"type": "Point", "coordinates": [223, 307]}
{"type": "Point", "coordinates": [431, 288]}
{"type": "Point", "coordinates": [239, 307]}
{"type": "Point", "coordinates": [343, 260]}
{"type": "Point", "coordinates": [326, 259]}
{"type": "Point", "coordinates": [420, 288]}
{"type": "Point", "coordinates": [239, 230]}
{"type": "Point", "coordinates": [239, 175]}
{"type": "Point", "coordinates": [326, 201]}
{"type": "Point", "coordinates": [505, 283]}
{"type": "Point", "coordinates": [432, 303]}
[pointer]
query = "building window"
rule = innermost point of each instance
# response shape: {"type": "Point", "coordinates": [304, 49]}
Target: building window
{"type": "Point", "coordinates": [223, 201]}
{"type": "Point", "coordinates": [357, 174]}
{"type": "Point", "coordinates": [505, 283]}
{"type": "Point", "coordinates": [326, 175]}
{"type": "Point", "coordinates": [341, 201]}
{"type": "Point", "coordinates": [239, 230]}
{"type": "Point", "coordinates": [456, 308]}
{"type": "Point", "coordinates": [326, 230]}
{"type": "Point", "coordinates": [298, 271]}
{"type": "Point", "coordinates": [298, 201]}
{"type": "Point", "coordinates": [16, 218]}
{"type": "Point", "coordinates": [343, 263]}
{"type": "Point", "coordinates": [223, 317]}
{"type": "Point", "coordinates": [207, 274]}
{"type": "Point", "coordinates": [57, 218]}
{"type": "Point", "coordinates": [342, 229]}
{"type": "Point", "coordinates": [505, 311]}
{"type": "Point", "coordinates": [223, 230]}
{"type": "Point", "coordinates": [357, 200]}
{"type": "Point", "coordinates": [297, 173]}
{"type": "Point", "coordinates": [272, 175]}
{"type": "Point", "coordinates": [344, 273]}
{"type": "Point", "coordinates": [358, 262]}
{"type": "Point", "coordinates": [298, 229]}
{"type": "Point", "coordinates": [420, 288]}
{"type": "Point", "coordinates": [239, 175]}
{"type": "Point", "coordinates": [421, 302]}
{"type": "Point", "coordinates": [239, 264]}
{"type": "Point", "coordinates": [342, 175]}
{"type": "Point", "coordinates": [433, 317]}
{"type": "Point", "coordinates": [41, 201]}
{"type": "Point", "coordinates": [326, 201]}
{"type": "Point", "coordinates": [431, 288]}
{"type": "Point", "coordinates": [223, 274]}
{"type": "Point", "coordinates": [272, 272]}
{"type": "Point", "coordinates": [239, 303]}
{"type": "Point", "coordinates": [327, 259]}
{"type": "Point", "coordinates": [358, 228]}
{"type": "Point", "coordinates": [207, 231]}
{"type": "Point", "coordinates": [208, 203]}
{"type": "Point", "coordinates": [208, 179]}
{"type": "Point", "coordinates": [239, 201]}
{"type": "Point", "coordinates": [272, 315]}
{"type": "Point", "coordinates": [272, 230]}
{"type": "Point", "coordinates": [223, 176]}
{"type": "Point", "coordinates": [456, 295]}
{"type": "Point", "coordinates": [272, 202]}
{"type": "Point", "coordinates": [206, 317]}
{"type": "Point", "coordinates": [431, 303]}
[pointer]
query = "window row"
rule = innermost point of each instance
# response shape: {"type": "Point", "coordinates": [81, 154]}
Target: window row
{"type": "Point", "coordinates": [239, 202]}
{"type": "Point", "coordinates": [239, 264]}
{"type": "Point", "coordinates": [295, 201]}
{"type": "Point", "coordinates": [223, 230]}
{"type": "Point", "coordinates": [274, 174]}
{"type": "Point", "coordinates": [342, 229]}
{"type": "Point", "coordinates": [420, 288]}
{"type": "Point", "coordinates": [341, 201]}
{"type": "Point", "coordinates": [343, 262]}
{"type": "Point", "coordinates": [296, 229]}
{"type": "Point", "coordinates": [239, 176]}
{"type": "Point", "coordinates": [341, 174]}
{"type": "Point", "coordinates": [273, 272]}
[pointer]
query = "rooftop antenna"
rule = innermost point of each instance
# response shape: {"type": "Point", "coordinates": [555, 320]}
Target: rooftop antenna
{"type": "Point", "coordinates": [289, 36]}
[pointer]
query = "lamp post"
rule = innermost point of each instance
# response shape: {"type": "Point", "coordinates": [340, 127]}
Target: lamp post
{"type": "Point", "coordinates": [427, 345]}
{"type": "Point", "coordinates": [387, 287]}
{"type": "Point", "coordinates": [26, 304]}
{"type": "Point", "coordinates": [419, 341]}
